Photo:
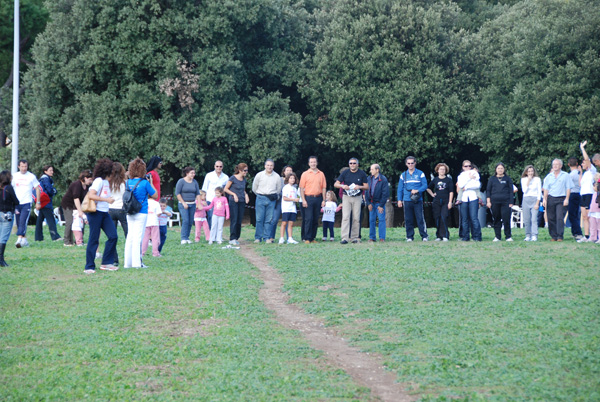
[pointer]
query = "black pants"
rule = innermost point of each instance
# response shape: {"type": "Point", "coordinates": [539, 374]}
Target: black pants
{"type": "Point", "coordinates": [310, 220]}
{"type": "Point", "coordinates": [501, 213]}
{"type": "Point", "coordinates": [556, 214]}
{"type": "Point", "coordinates": [118, 215]}
{"type": "Point", "coordinates": [439, 208]}
{"type": "Point", "coordinates": [48, 214]}
{"type": "Point", "coordinates": [236, 213]}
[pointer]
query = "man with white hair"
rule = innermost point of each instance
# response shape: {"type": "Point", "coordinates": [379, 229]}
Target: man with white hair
{"type": "Point", "coordinates": [214, 179]}
{"type": "Point", "coordinates": [267, 187]}
{"type": "Point", "coordinates": [557, 189]}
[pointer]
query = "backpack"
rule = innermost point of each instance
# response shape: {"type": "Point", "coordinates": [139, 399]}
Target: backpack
{"type": "Point", "coordinates": [131, 205]}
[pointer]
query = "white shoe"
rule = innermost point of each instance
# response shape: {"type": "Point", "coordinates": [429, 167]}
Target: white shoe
{"type": "Point", "coordinates": [281, 240]}
{"type": "Point", "coordinates": [528, 238]}
{"type": "Point", "coordinates": [426, 239]}
{"type": "Point", "coordinates": [438, 239]}
{"type": "Point", "coordinates": [597, 241]}
{"type": "Point", "coordinates": [409, 240]}
{"type": "Point", "coordinates": [184, 242]}
{"type": "Point", "coordinates": [445, 239]}
{"type": "Point", "coordinates": [533, 238]}
{"type": "Point", "coordinates": [18, 242]}
{"type": "Point", "coordinates": [292, 241]}
{"type": "Point", "coordinates": [210, 242]}
{"type": "Point", "coordinates": [331, 239]}
{"type": "Point", "coordinates": [98, 256]}
{"type": "Point", "coordinates": [219, 242]}
{"type": "Point", "coordinates": [496, 239]}
{"type": "Point", "coordinates": [509, 239]}
{"type": "Point", "coordinates": [24, 242]}
{"type": "Point", "coordinates": [324, 239]}
{"type": "Point", "coordinates": [583, 240]}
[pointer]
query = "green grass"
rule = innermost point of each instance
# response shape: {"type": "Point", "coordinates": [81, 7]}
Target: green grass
{"type": "Point", "coordinates": [190, 327]}
{"type": "Point", "coordinates": [474, 321]}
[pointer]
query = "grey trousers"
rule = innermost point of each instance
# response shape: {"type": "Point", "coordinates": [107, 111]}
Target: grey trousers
{"type": "Point", "coordinates": [530, 213]}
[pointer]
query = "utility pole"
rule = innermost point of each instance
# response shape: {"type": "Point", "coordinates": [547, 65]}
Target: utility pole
{"type": "Point", "coordinates": [15, 119]}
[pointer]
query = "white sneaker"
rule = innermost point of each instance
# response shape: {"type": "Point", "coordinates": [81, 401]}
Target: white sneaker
{"type": "Point", "coordinates": [533, 238]}
{"type": "Point", "coordinates": [597, 241]}
{"type": "Point", "coordinates": [438, 239]}
{"type": "Point", "coordinates": [184, 242]}
{"type": "Point", "coordinates": [496, 239]}
{"type": "Point", "coordinates": [445, 239]}
{"type": "Point", "coordinates": [583, 240]}
{"type": "Point", "coordinates": [219, 242]}
{"type": "Point", "coordinates": [324, 239]}
{"type": "Point", "coordinates": [24, 242]}
{"type": "Point", "coordinates": [527, 238]}
{"type": "Point", "coordinates": [98, 256]}
{"type": "Point", "coordinates": [409, 240]}
{"type": "Point", "coordinates": [426, 239]}
{"type": "Point", "coordinates": [210, 242]}
{"type": "Point", "coordinates": [509, 239]}
{"type": "Point", "coordinates": [281, 240]}
{"type": "Point", "coordinates": [18, 242]}
{"type": "Point", "coordinates": [89, 271]}
{"type": "Point", "coordinates": [292, 241]}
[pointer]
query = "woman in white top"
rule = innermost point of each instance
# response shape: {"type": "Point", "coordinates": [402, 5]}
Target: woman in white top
{"type": "Point", "coordinates": [531, 185]}
{"type": "Point", "coordinates": [116, 212]}
{"type": "Point", "coordinates": [586, 183]}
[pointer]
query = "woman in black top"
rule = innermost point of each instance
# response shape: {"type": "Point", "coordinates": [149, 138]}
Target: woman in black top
{"type": "Point", "coordinates": [238, 198]}
{"type": "Point", "coordinates": [8, 202]}
{"type": "Point", "coordinates": [442, 191]}
{"type": "Point", "coordinates": [72, 200]}
{"type": "Point", "coordinates": [500, 201]}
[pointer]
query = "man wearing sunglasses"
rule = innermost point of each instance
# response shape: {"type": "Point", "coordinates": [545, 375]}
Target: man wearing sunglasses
{"type": "Point", "coordinates": [214, 179]}
{"type": "Point", "coordinates": [411, 186]}
{"type": "Point", "coordinates": [355, 182]}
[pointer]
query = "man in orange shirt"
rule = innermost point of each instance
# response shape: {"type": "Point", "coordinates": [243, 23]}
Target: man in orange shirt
{"type": "Point", "coordinates": [312, 191]}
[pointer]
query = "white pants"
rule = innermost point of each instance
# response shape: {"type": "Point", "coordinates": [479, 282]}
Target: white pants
{"type": "Point", "coordinates": [133, 244]}
{"type": "Point", "coordinates": [216, 230]}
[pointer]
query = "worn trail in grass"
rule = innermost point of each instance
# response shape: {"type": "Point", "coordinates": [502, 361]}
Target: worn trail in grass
{"type": "Point", "coordinates": [366, 369]}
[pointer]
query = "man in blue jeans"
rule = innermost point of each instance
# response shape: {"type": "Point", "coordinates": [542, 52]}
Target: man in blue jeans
{"type": "Point", "coordinates": [267, 187]}
{"type": "Point", "coordinates": [377, 196]}
{"type": "Point", "coordinates": [411, 186]}
{"type": "Point", "coordinates": [24, 183]}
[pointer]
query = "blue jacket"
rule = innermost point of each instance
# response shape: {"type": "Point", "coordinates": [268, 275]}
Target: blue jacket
{"type": "Point", "coordinates": [409, 182]}
{"type": "Point", "coordinates": [378, 192]}
{"type": "Point", "coordinates": [47, 184]}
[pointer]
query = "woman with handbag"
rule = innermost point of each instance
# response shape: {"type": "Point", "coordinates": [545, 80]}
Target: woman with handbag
{"type": "Point", "coordinates": [46, 212]}
{"type": "Point", "coordinates": [72, 200]}
{"type": "Point", "coordinates": [99, 219]}
{"type": "Point", "coordinates": [8, 203]}
{"type": "Point", "coordinates": [141, 189]}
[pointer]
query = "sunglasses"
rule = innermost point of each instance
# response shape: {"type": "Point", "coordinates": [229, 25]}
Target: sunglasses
{"type": "Point", "coordinates": [353, 163]}
{"type": "Point", "coordinates": [245, 170]}
{"type": "Point", "coordinates": [466, 165]}
{"type": "Point", "coordinates": [410, 163]}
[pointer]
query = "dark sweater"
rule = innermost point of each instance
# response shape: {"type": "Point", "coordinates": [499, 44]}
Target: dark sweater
{"type": "Point", "coordinates": [8, 199]}
{"type": "Point", "coordinates": [75, 190]}
{"type": "Point", "coordinates": [500, 189]}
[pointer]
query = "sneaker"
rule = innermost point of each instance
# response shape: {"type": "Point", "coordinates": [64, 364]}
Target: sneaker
{"type": "Point", "coordinates": [324, 239]}
{"type": "Point", "coordinates": [24, 242]}
{"type": "Point", "coordinates": [210, 242]}
{"type": "Point", "coordinates": [108, 267]}
{"type": "Point", "coordinates": [18, 242]}
{"type": "Point", "coordinates": [269, 241]}
{"type": "Point", "coordinates": [438, 239]}
{"type": "Point", "coordinates": [144, 266]}
{"type": "Point", "coordinates": [256, 241]}
{"type": "Point", "coordinates": [509, 239]}
{"type": "Point", "coordinates": [533, 238]}
{"type": "Point", "coordinates": [331, 239]}
{"type": "Point", "coordinates": [496, 239]}
{"type": "Point", "coordinates": [344, 242]}
{"type": "Point", "coordinates": [89, 271]}
{"type": "Point", "coordinates": [219, 242]}
{"type": "Point", "coordinates": [59, 239]}
{"type": "Point", "coordinates": [597, 241]}
{"type": "Point", "coordinates": [98, 256]}
{"type": "Point", "coordinates": [81, 245]}
{"type": "Point", "coordinates": [233, 242]}
{"type": "Point", "coordinates": [583, 240]}
{"type": "Point", "coordinates": [426, 239]}
{"type": "Point", "coordinates": [355, 241]}
{"type": "Point", "coordinates": [281, 240]}
{"type": "Point", "coordinates": [578, 237]}
{"type": "Point", "coordinates": [184, 242]}
{"type": "Point", "coordinates": [409, 240]}
{"type": "Point", "coordinates": [445, 239]}
{"type": "Point", "coordinates": [292, 241]}
{"type": "Point", "coordinates": [527, 238]}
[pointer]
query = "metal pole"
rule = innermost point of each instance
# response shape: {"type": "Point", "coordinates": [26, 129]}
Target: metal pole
{"type": "Point", "coordinates": [15, 120]}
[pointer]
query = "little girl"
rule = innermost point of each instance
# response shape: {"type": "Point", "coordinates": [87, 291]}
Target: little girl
{"type": "Point", "coordinates": [200, 217]}
{"type": "Point", "coordinates": [152, 231]}
{"type": "Point", "coordinates": [594, 214]}
{"type": "Point", "coordinates": [77, 227]}
{"type": "Point", "coordinates": [220, 214]}
{"type": "Point", "coordinates": [329, 211]}
{"type": "Point", "coordinates": [288, 207]}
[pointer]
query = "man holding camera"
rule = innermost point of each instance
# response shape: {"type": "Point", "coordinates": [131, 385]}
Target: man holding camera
{"type": "Point", "coordinates": [411, 186]}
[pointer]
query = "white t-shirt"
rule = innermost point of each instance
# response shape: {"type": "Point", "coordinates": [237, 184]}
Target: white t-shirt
{"type": "Point", "coordinates": [534, 189]}
{"type": "Point", "coordinates": [24, 185]}
{"type": "Point", "coordinates": [469, 185]}
{"type": "Point", "coordinates": [153, 212]}
{"type": "Point", "coordinates": [102, 188]}
{"type": "Point", "coordinates": [329, 211]}
{"type": "Point", "coordinates": [118, 196]}
{"type": "Point", "coordinates": [290, 192]}
{"type": "Point", "coordinates": [212, 181]}
{"type": "Point", "coordinates": [587, 181]}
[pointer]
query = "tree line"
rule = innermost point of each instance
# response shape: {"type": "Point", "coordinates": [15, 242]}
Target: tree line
{"type": "Point", "coordinates": [242, 81]}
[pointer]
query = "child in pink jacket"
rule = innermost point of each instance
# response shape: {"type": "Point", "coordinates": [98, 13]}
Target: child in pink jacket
{"type": "Point", "coordinates": [200, 217]}
{"type": "Point", "coordinates": [594, 215]}
{"type": "Point", "coordinates": [220, 208]}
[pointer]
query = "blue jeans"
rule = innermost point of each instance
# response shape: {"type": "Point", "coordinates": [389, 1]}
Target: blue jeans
{"type": "Point", "coordinates": [575, 214]}
{"type": "Point", "coordinates": [6, 224]}
{"type": "Point", "coordinates": [22, 218]}
{"type": "Point", "coordinates": [276, 216]}
{"type": "Point", "coordinates": [373, 216]}
{"type": "Point", "coordinates": [264, 215]}
{"type": "Point", "coordinates": [413, 213]}
{"type": "Point", "coordinates": [470, 220]}
{"type": "Point", "coordinates": [187, 219]}
{"type": "Point", "coordinates": [328, 227]}
{"type": "Point", "coordinates": [163, 237]}
{"type": "Point", "coordinates": [100, 220]}
{"type": "Point", "coordinates": [209, 214]}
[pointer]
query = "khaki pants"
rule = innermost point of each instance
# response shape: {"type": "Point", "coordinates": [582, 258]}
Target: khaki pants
{"type": "Point", "coordinates": [351, 205]}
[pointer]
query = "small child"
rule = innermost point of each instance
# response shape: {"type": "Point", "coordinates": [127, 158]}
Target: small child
{"type": "Point", "coordinates": [288, 207]}
{"type": "Point", "coordinates": [594, 214]}
{"type": "Point", "coordinates": [200, 217]}
{"type": "Point", "coordinates": [77, 227]}
{"type": "Point", "coordinates": [220, 208]}
{"type": "Point", "coordinates": [152, 231]}
{"type": "Point", "coordinates": [329, 211]}
{"type": "Point", "coordinates": [163, 220]}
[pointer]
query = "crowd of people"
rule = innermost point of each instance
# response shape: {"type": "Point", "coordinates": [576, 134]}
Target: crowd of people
{"type": "Point", "coordinates": [110, 195]}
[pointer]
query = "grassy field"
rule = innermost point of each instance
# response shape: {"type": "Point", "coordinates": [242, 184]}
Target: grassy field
{"type": "Point", "coordinates": [483, 321]}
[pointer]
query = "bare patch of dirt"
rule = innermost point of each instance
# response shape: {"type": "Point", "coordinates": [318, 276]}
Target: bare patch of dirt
{"type": "Point", "coordinates": [366, 369]}
{"type": "Point", "coordinates": [182, 327]}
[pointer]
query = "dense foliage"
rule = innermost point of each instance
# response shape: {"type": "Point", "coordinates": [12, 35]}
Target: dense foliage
{"type": "Point", "coordinates": [489, 80]}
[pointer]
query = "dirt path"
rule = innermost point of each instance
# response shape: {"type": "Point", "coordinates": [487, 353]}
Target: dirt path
{"type": "Point", "coordinates": [366, 369]}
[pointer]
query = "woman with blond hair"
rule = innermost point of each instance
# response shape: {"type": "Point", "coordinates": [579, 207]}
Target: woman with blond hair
{"type": "Point", "coordinates": [531, 185]}
{"type": "Point", "coordinates": [142, 189]}
{"type": "Point", "coordinates": [117, 188]}
{"type": "Point", "coordinates": [442, 192]}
